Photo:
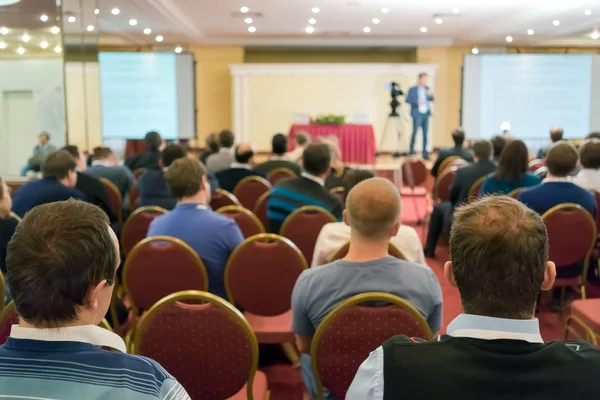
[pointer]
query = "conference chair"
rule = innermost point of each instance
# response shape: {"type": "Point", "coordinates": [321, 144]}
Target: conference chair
{"type": "Point", "coordinates": [355, 328]}
{"type": "Point", "coordinates": [104, 324]}
{"type": "Point", "coordinates": [114, 197]}
{"type": "Point", "coordinates": [460, 163]}
{"type": "Point", "coordinates": [441, 190]}
{"type": "Point", "coordinates": [541, 172]}
{"type": "Point", "coordinates": [248, 223]}
{"type": "Point", "coordinates": [534, 165]}
{"type": "Point", "coordinates": [302, 227]}
{"type": "Point", "coordinates": [414, 177]}
{"type": "Point", "coordinates": [2, 291]}
{"type": "Point", "coordinates": [206, 344]}
{"type": "Point", "coordinates": [584, 321]}
{"type": "Point", "coordinates": [138, 172]}
{"type": "Point", "coordinates": [249, 190]}
{"type": "Point", "coordinates": [222, 198]}
{"type": "Point", "coordinates": [476, 188]}
{"type": "Point", "coordinates": [342, 251]}
{"type": "Point", "coordinates": [136, 226]}
{"type": "Point", "coordinates": [8, 318]}
{"type": "Point", "coordinates": [339, 192]}
{"type": "Point", "coordinates": [134, 197]}
{"type": "Point", "coordinates": [515, 193]}
{"type": "Point", "coordinates": [260, 210]}
{"type": "Point", "coordinates": [572, 237]}
{"type": "Point", "coordinates": [280, 173]}
{"type": "Point", "coordinates": [447, 163]}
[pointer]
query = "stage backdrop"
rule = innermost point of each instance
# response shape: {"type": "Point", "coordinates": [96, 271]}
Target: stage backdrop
{"type": "Point", "coordinates": [266, 97]}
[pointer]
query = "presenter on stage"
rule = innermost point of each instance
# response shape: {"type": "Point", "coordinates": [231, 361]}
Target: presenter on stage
{"type": "Point", "coordinates": [419, 98]}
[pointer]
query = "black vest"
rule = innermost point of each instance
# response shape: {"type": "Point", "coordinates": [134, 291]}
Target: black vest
{"type": "Point", "coordinates": [476, 369]}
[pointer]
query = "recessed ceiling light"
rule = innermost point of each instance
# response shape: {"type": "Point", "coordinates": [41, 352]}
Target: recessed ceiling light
{"type": "Point", "coordinates": [556, 22]}
{"type": "Point", "coordinates": [251, 29]}
{"type": "Point", "coordinates": [4, 30]}
{"type": "Point", "coordinates": [312, 21]}
{"type": "Point", "coordinates": [244, 9]}
{"type": "Point", "coordinates": [90, 28]}
{"type": "Point", "coordinates": [57, 49]}
{"type": "Point", "coordinates": [309, 29]}
{"type": "Point", "coordinates": [376, 21]}
{"type": "Point", "coordinates": [530, 32]}
{"type": "Point", "coordinates": [97, 11]}
{"type": "Point", "coordinates": [25, 38]}
{"type": "Point", "coordinates": [424, 29]}
{"type": "Point", "coordinates": [115, 11]}
{"type": "Point", "coordinates": [44, 44]}
{"type": "Point", "coordinates": [71, 19]}
{"type": "Point", "coordinates": [54, 30]}
{"type": "Point", "coordinates": [43, 18]}
{"type": "Point", "coordinates": [147, 31]}
{"type": "Point", "coordinates": [385, 10]}
{"type": "Point", "coordinates": [456, 10]}
{"type": "Point", "coordinates": [475, 50]}
{"type": "Point", "coordinates": [595, 35]}
{"type": "Point", "coordinates": [133, 22]}
{"type": "Point", "coordinates": [509, 39]}
{"type": "Point", "coordinates": [21, 50]}
{"type": "Point", "coordinates": [178, 49]}
{"type": "Point", "coordinates": [439, 20]}
{"type": "Point", "coordinates": [159, 38]}
{"type": "Point", "coordinates": [2, 45]}
{"type": "Point", "coordinates": [248, 20]}
{"type": "Point", "coordinates": [316, 10]}
{"type": "Point", "coordinates": [366, 29]}
{"type": "Point", "coordinates": [588, 12]}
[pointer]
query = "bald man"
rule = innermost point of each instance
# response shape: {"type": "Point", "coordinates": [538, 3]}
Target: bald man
{"type": "Point", "coordinates": [240, 169]}
{"type": "Point", "coordinates": [373, 214]}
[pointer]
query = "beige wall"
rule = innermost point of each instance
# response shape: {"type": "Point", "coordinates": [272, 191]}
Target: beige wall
{"type": "Point", "coordinates": [328, 56]}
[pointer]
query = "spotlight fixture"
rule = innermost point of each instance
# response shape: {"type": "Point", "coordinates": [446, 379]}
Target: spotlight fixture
{"type": "Point", "coordinates": [312, 21]}
{"type": "Point", "coordinates": [21, 50]}
{"type": "Point", "coordinates": [2, 45]}
{"type": "Point", "coordinates": [178, 49]}
{"type": "Point", "coordinates": [43, 17]}
{"type": "Point", "coordinates": [57, 49]}
{"type": "Point", "coordinates": [115, 11]}
{"type": "Point", "coordinates": [147, 31]}
{"type": "Point", "coordinates": [244, 10]}
{"type": "Point", "coordinates": [530, 32]}
{"type": "Point", "coordinates": [376, 21]}
{"type": "Point", "coordinates": [133, 22]}
{"type": "Point", "coordinates": [439, 20]}
{"type": "Point", "coordinates": [588, 12]}
{"type": "Point", "coordinates": [309, 29]}
{"type": "Point", "coordinates": [248, 20]}
{"type": "Point", "coordinates": [25, 38]}
{"type": "Point", "coordinates": [3, 30]}
{"type": "Point", "coordinates": [54, 30]}
{"type": "Point", "coordinates": [251, 29]}
{"type": "Point", "coordinates": [424, 29]}
{"type": "Point", "coordinates": [385, 10]}
{"type": "Point", "coordinates": [90, 28]}
{"type": "Point", "coordinates": [159, 38]}
{"type": "Point", "coordinates": [316, 10]}
{"type": "Point", "coordinates": [556, 22]}
{"type": "Point", "coordinates": [72, 19]}
{"type": "Point", "coordinates": [509, 39]}
{"type": "Point", "coordinates": [97, 11]}
{"type": "Point", "coordinates": [475, 50]}
{"type": "Point", "coordinates": [595, 35]}
{"type": "Point", "coordinates": [366, 29]}
{"type": "Point", "coordinates": [44, 44]}
{"type": "Point", "coordinates": [456, 10]}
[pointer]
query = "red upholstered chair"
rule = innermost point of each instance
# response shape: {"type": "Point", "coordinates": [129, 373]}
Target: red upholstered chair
{"type": "Point", "coordinates": [541, 172]}
{"type": "Point", "coordinates": [259, 278]}
{"type": "Point", "coordinates": [352, 330]}
{"type": "Point", "coordinates": [303, 226]}
{"type": "Point", "coordinates": [476, 188]}
{"type": "Point", "coordinates": [572, 236]}
{"type": "Point", "coordinates": [206, 344]}
{"type": "Point", "coordinates": [8, 318]}
{"type": "Point", "coordinates": [534, 165]}
{"type": "Point", "coordinates": [222, 198]}
{"type": "Point", "coordinates": [249, 190]}
{"type": "Point", "coordinates": [342, 251]}
{"type": "Point", "coordinates": [249, 224]}
{"type": "Point", "coordinates": [339, 193]}
{"type": "Point", "coordinates": [584, 321]}
{"type": "Point", "coordinates": [447, 163]}
{"type": "Point", "coordinates": [114, 197]}
{"type": "Point", "coordinates": [441, 190]}
{"type": "Point", "coordinates": [459, 163]}
{"type": "Point", "coordinates": [136, 226]}
{"type": "Point", "coordinates": [261, 209]}
{"type": "Point", "coordinates": [280, 173]}
{"type": "Point", "coordinates": [139, 172]}
{"type": "Point", "coordinates": [515, 193]}
{"type": "Point", "coordinates": [134, 196]}
{"type": "Point", "coordinates": [414, 177]}
{"type": "Point", "coordinates": [597, 197]}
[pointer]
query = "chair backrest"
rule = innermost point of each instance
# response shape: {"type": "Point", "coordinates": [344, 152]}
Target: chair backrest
{"type": "Point", "coordinates": [136, 226]}
{"type": "Point", "coordinates": [280, 173]}
{"type": "Point", "coordinates": [342, 251]}
{"type": "Point", "coordinates": [203, 341]}
{"type": "Point", "coordinates": [515, 193]}
{"type": "Point", "coordinates": [134, 196]}
{"type": "Point", "coordinates": [260, 210]}
{"type": "Point", "coordinates": [222, 198]}
{"type": "Point", "coordinates": [159, 266]}
{"type": "Point", "coordinates": [597, 197]}
{"type": "Point", "coordinates": [8, 318]}
{"type": "Point", "coordinates": [352, 330]}
{"type": "Point", "coordinates": [2, 291]}
{"type": "Point", "coordinates": [114, 197]}
{"type": "Point", "coordinates": [303, 226]}
{"type": "Point", "coordinates": [261, 273]}
{"type": "Point", "coordinates": [541, 172]}
{"type": "Point", "coordinates": [138, 172]}
{"type": "Point", "coordinates": [446, 164]}
{"type": "Point", "coordinates": [339, 192]}
{"type": "Point", "coordinates": [249, 224]}
{"type": "Point", "coordinates": [572, 235]}
{"type": "Point", "coordinates": [249, 190]}
{"type": "Point", "coordinates": [476, 188]}
{"type": "Point", "coordinates": [460, 163]}
{"type": "Point", "coordinates": [414, 172]}
{"type": "Point", "coordinates": [441, 190]}
{"type": "Point", "coordinates": [534, 165]}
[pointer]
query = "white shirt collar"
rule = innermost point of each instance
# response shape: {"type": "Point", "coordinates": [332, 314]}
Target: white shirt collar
{"type": "Point", "coordinates": [278, 158]}
{"type": "Point", "coordinates": [554, 179]}
{"type": "Point", "coordinates": [238, 165]}
{"type": "Point", "coordinates": [91, 334]}
{"type": "Point", "coordinates": [314, 178]}
{"type": "Point", "coordinates": [226, 150]}
{"type": "Point", "coordinates": [100, 162]}
{"type": "Point", "coordinates": [489, 328]}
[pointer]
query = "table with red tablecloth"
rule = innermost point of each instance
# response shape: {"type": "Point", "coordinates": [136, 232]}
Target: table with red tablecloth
{"type": "Point", "coordinates": [357, 142]}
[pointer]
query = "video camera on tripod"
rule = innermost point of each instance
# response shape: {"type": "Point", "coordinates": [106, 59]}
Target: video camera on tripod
{"type": "Point", "coordinates": [395, 91]}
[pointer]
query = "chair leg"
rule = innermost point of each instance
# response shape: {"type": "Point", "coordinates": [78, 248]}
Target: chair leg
{"type": "Point", "coordinates": [582, 289]}
{"type": "Point", "coordinates": [291, 352]}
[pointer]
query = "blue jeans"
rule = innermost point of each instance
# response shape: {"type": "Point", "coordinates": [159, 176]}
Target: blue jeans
{"type": "Point", "coordinates": [419, 121]}
{"type": "Point", "coordinates": [309, 379]}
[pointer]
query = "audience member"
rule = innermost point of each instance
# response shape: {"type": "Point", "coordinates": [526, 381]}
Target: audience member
{"type": "Point", "coordinates": [302, 139]}
{"type": "Point", "coordinates": [62, 264]}
{"type": "Point", "coordinates": [58, 183]}
{"type": "Point", "coordinates": [335, 234]}
{"type": "Point", "coordinates": [556, 135]}
{"type": "Point", "coordinates": [153, 187]}
{"type": "Point", "coordinates": [278, 159]}
{"type": "Point", "coordinates": [498, 143]}
{"type": "Point", "coordinates": [40, 151]}
{"type": "Point", "coordinates": [225, 156]}
{"type": "Point", "coordinates": [305, 190]}
{"type": "Point", "coordinates": [212, 147]}
{"type": "Point", "coordinates": [441, 216]}
{"type": "Point", "coordinates": [512, 171]}
{"type": "Point", "coordinates": [154, 145]}
{"type": "Point", "coordinates": [373, 213]}
{"type": "Point", "coordinates": [338, 169]}
{"type": "Point", "coordinates": [589, 176]}
{"type": "Point", "coordinates": [458, 136]}
{"type": "Point", "coordinates": [499, 262]}
{"type": "Point", "coordinates": [240, 169]}
{"type": "Point", "coordinates": [105, 166]}
{"type": "Point", "coordinates": [7, 223]}
{"type": "Point", "coordinates": [211, 235]}
{"type": "Point", "coordinates": [593, 135]}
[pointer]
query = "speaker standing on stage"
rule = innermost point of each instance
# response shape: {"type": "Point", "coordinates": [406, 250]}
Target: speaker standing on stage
{"type": "Point", "coordinates": [419, 97]}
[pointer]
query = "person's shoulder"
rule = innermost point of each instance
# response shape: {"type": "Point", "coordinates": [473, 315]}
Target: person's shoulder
{"type": "Point", "coordinates": [583, 348]}
{"type": "Point", "coordinates": [531, 177]}
{"type": "Point", "coordinates": [218, 220]}
{"type": "Point", "coordinates": [139, 365]}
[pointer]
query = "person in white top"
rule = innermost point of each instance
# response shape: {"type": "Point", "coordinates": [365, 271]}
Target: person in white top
{"type": "Point", "coordinates": [302, 141]}
{"type": "Point", "coordinates": [335, 234]}
{"type": "Point", "coordinates": [589, 156]}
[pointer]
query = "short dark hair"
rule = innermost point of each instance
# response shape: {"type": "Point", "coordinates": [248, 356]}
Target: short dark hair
{"type": "Point", "coordinates": [561, 159]}
{"type": "Point", "coordinates": [243, 157]}
{"type": "Point", "coordinates": [499, 251]}
{"type": "Point", "coordinates": [279, 144]}
{"type": "Point", "coordinates": [171, 153]}
{"type": "Point", "coordinates": [422, 74]}
{"type": "Point", "coordinates": [101, 153]}
{"type": "Point", "coordinates": [212, 143]}
{"type": "Point", "coordinates": [302, 138]}
{"type": "Point", "coordinates": [226, 138]}
{"type": "Point", "coordinates": [556, 134]}
{"type": "Point", "coordinates": [513, 162]}
{"type": "Point", "coordinates": [483, 149]}
{"type": "Point", "coordinates": [58, 164]}
{"type": "Point", "coordinates": [498, 142]}
{"type": "Point", "coordinates": [184, 177]}
{"type": "Point", "coordinates": [316, 159]}
{"type": "Point", "coordinates": [58, 253]}
{"type": "Point", "coordinates": [593, 135]}
{"type": "Point", "coordinates": [153, 141]}
{"type": "Point", "coordinates": [72, 150]}
{"type": "Point", "coordinates": [458, 136]}
{"type": "Point", "coordinates": [589, 154]}
{"type": "Point", "coordinates": [354, 177]}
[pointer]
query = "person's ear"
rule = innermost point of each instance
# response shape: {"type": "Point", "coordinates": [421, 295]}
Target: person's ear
{"type": "Point", "coordinates": [161, 164]}
{"type": "Point", "coordinates": [395, 228]}
{"type": "Point", "coordinates": [345, 216]}
{"type": "Point", "coordinates": [94, 294]}
{"type": "Point", "coordinates": [549, 276]}
{"type": "Point", "coordinates": [449, 273]}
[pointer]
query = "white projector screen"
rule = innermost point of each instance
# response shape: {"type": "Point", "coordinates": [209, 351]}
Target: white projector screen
{"type": "Point", "coordinates": [532, 92]}
{"type": "Point", "coordinates": [143, 92]}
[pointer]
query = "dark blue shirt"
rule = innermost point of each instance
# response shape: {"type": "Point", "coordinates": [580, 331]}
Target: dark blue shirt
{"type": "Point", "coordinates": [543, 197]}
{"type": "Point", "coordinates": [47, 190]}
{"type": "Point", "coordinates": [211, 235]}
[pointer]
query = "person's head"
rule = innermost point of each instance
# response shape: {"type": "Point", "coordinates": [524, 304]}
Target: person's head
{"type": "Point", "coordinates": [302, 139]}
{"type": "Point", "coordinates": [186, 179]}
{"type": "Point", "coordinates": [62, 166]}
{"type": "Point", "coordinates": [61, 264]}
{"type": "Point", "coordinates": [561, 159]}
{"type": "Point", "coordinates": [498, 143]}
{"type": "Point", "coordinates": [5, 199]}
{"type": "Point", "coordinates": [154, 142]}
{"type": "Point", "coordinates": [226, 139]}
{"type": "Point", "coordinates": [334, 149]}
{"type": "Point", "coordinates": [44, 138]}
{"type": "Point", "coordinates": [78, 155]}
{"type": "Point", "coordinates": [373, 211]}
{"type": "Point", "coordinates": [482, 149]}
{"type": "Point", "coordinates": [212, 143]}
{"type": "Point", "coordinates": [103, 154]}
{"type": "Point", "coordinates": [513, 162]}
{"type": "Point", "coordinates": [423, 78]}
{"type": "Point", "coordinates": [458, 136]}
{"type": "Point", "coordinates": [279, 144]}
{"type": "Point", "coordinates": [593, 135]}
{"type": "Point", "coordinates": [499, 258]}
{"type": "Point", "coordinates": [171, 153]}
{"type": "Point", "coordinates": [316, 159]}
{"type": "Point", "coordinates": [244, 153]}
{"type": "Point", "coordinates": [556, 134]}
{"type": "Point", "coordinates": [354, 177]}
{"type": "Point", "coordinates": [589, 154]}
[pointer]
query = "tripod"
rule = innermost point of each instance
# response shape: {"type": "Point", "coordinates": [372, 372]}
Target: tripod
{"type": "Point", "coordinates": [395, 122]}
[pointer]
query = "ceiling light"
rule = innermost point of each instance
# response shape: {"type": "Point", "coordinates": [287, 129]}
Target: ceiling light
{"type": "Point", "coordinates": [71, 19]}
{"type": "Point", "coordinates": [2, 45]}
{"type": "Point", "coordinates": [90, 28]}
{"type": "Point", "coordinates": [44, 44]}
{"type": "Point", "coordinates": [315, 10]}
{"type": "Point", "coordinates": [530, 32]}
{"type": "Point", "coordinates": [376, 21]}
{"type": "Point", "coordinates": [309, 29]}
{"type": "Point", "coordinates": [595, 35]}
{"type": "Point", "coordinates": [159, 38]}
{"type": "Point", "coordinates": [21, 50]}
{"type": "Point", "coordinates": [178, 49]}
{"type": "Point", "coordinates": [115, 11]}
{"type": "Point", "coordinates": [251, 29]}
{"type": "Point", "coordinates": [97, 11]}
{"type": "Point", "coordinates": [147, 31]}
{"type": "Point", "coordinates": [556, 22]}
{"type": "Point", "coordinates": [385, 10]}
{"type": "Point", "coordinates": [588, 12]}
{"type": "Point", "coordinates": [509, 39]}
{"type": "Point", "coordinates": [4, 30]}
{"type": "Point", "coordinates": [54, 30]}
{"type": "Point", "coordinates": [248, 20]}
{"type": "Point", "coordinates": [25, 38]}
{"type": "Point", "coordinates": [133, 22]}
{"type": "Point", "coordinates": [57, 49]}
{"type": "Point", "coordinates": [438, 20]}
{"type": "Point", "coordinates": [244, 10]}
{"type": "Point", "coordinates": [475, 50]}
{"type": "Point", "coordinates": [43, 18]}
{"type": "Point", "coordinates": [424, 29]}
{"type": "Point", "coordinates": [366, 29]}
{"type": "Point", "coordinates": [312, 21]}
{"type": "Point", "coordinates": [456, 10]}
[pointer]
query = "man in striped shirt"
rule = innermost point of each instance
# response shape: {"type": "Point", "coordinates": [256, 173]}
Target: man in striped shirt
{"type": "Point", "coordinates": [62, 263]}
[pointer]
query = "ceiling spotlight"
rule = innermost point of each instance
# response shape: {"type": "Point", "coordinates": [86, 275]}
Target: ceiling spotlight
{"type": "Point", "coordinates": [251, 29]}
{"type": "Point", "coordinates": [439, 21]}
{"type": "Point", "coordinates": [385, 10]}
{"type": "Point", "coordinates": [595, 35]}
{"type": "Point", "coordinates": [475, 50]}
{"type": "Point", "coordinates": [115, 11]}
{"type": "Point", "coordinates": [21, 50]}
{"type": "Point", "coordinates": [159, 38]}
{"type": "Point", "coordinates": [57, 49]}
{"type": "Point", "coordinates": [90, 28]}
{"type": "Point", "coordinates": [376, 21]}
{"type": "Point", "coordinates": [424, 29]}
{"type": "Point", "coordinates": [54, 30]}
{"type": "Point", "coordinates": [178, 49]}
{"type": "Point", "coordinates": [309, 29]}
{"type": "Point", "coordinates": [133, 22]}
{"type": "Point", "coordinates": [315, 10]}
{"type": "Point", "coordinates": [97, 11]}
{"type": "Point", "coordinates": [4, 30]}
{"type": "Point", "coordinates": [2, 45]}
{"type": "Point", "coordinates": [43, 17]}
{"type": "Point", "coordinates": [588, 12]}
{"type": "Point", "coordinates": [248, 20]}
{"type": "Point", "coordinates": [530, 32]}
{"type": "Point", "coordinates": [71, 19]}
{"type": "Point", "coordinates": [147, 31]}
{"type": "Point", "coordinates": [366, 29]}
{"type": "Point", "coordinates": [556, 22]}
{"type": "Point", "coordinates": [244, 10]}
{"type": "Point", "coordinates": [312, 21]}
{"type": "Point", "coordinates": [25, 38]}
{"type": "Point", "coordinates": [44, 44]}
{"type": "Point", "coordinates": [456, 10]}
{"type": "Point", "coordinates": [509, 39]}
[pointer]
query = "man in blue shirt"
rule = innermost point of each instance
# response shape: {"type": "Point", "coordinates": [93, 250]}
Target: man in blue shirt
{"type": "Point", "coordinates": [60, 178]}
{"type": "Point", "coordinates": [419, 97]}
{"type": "Point", "coordinates": [211, 235]}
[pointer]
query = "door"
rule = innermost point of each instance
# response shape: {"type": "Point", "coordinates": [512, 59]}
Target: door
{"type": "Point", "coordinates": [19, 131]}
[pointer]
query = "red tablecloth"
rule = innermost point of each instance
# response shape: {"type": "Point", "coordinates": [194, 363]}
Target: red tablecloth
{"type": "Point", "coordinates": [357, 142]}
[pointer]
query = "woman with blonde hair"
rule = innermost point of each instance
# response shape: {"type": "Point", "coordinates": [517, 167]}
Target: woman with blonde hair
{"type": "Point", "coordinates": [8, 224]}
{"type": "Point", "coordinates": [338, 169]}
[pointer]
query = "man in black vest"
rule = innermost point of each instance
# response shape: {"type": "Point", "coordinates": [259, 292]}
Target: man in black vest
{"type": "Point", "coordinates": [499, 253]}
